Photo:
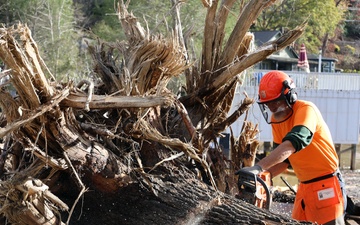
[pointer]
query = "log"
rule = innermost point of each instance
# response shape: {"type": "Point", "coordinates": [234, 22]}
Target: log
{"type": "Point", "coordinates": [176, 199]}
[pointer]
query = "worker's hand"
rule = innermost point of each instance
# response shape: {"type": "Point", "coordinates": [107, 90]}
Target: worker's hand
{"type": "Point", "coordinates": [253, 169]}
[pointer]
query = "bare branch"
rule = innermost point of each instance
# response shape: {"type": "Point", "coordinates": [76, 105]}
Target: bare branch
{"type": "Point", "coordinates": [79, 101]}
{"type": "Point", "coordinates": [254, 57]}
{"type": "Point", "coordinates": [248, 15]}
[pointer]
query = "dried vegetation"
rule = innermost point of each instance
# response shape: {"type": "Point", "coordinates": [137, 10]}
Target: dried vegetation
{"type": "Point", "coordinates": [124, 126]}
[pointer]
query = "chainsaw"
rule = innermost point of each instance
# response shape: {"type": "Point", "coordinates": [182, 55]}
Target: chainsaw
{"type": "Point", "coordinates": [254, 189]}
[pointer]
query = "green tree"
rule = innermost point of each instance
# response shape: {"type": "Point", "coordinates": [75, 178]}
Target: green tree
{"type": "Point", "coordinates": [105, 22]}
{"type": "Point", "coordinates": [323, 18]}
{"type": "Point", "coordinates": [53, 27]}
{"type": "Point", "coordinates": [352, 25]}
{"type": "Point", "coordinates": [52, 24]}
{"type": "Point", "coordinates": [10, 11]}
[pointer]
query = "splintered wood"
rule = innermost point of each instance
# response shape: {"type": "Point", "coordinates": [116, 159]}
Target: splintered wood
{"type": "Point", "coordinates": [125, 133]}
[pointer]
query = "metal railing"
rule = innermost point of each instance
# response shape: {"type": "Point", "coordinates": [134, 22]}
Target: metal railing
{"type": "Point", "coordinates": [318, 81]}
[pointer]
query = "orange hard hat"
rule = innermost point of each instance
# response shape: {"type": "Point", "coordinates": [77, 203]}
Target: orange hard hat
{"type": "Point", "coordinates": [273, 84]}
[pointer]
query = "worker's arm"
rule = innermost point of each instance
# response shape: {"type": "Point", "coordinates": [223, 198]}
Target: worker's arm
{"type": "Point", "coordinates": [272, 161]}
{"type": "Point", "coordinates": [278, 155]}
{"type": "Point", "coordinates": [298, 138]}
{"type": "Point", "coordinates": [278, 169]}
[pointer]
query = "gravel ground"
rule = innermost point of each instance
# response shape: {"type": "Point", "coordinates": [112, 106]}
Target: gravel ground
{"type": "Point", "coordinates": [352, 181]}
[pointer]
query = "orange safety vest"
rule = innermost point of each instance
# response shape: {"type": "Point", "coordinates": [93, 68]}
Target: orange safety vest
{"type": "Point", "coordinates": [319, 201]}
{"type": "Point", "coordinates": [319, 157]}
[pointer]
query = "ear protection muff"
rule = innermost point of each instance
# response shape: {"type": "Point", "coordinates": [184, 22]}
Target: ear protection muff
{"type": "Point", "coordinates": [291, 95]}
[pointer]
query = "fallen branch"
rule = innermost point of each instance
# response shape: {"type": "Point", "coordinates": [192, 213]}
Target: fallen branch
{"type": "Point", "coordinates": [174, 143]}
{"type": "Point", "coordinates": [79, 101]}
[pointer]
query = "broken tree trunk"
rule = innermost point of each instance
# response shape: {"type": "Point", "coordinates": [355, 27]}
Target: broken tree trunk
{"type": "Point", "coordinates": [180, 199]}
{"type": "Point", "coordinates": [125, 143]}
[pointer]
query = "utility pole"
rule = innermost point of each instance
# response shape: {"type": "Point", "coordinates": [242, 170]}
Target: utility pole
{"type": "Point", "coordinates": [319, 66]}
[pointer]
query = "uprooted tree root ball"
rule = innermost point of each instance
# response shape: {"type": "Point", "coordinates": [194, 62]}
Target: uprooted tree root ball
{"type": "Point", "coordinates": [122, 138]}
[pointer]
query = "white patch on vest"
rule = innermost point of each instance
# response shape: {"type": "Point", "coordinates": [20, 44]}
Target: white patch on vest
{"type": "Point", "coordinates": [326, 194]}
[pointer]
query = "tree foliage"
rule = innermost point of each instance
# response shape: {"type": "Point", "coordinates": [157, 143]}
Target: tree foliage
{"type": "Point", "coordinates": [353, 20]}
{"type": "Point", "coordinates": [285, 14]}
{"type": "Point", "coordinates": [52, 24]}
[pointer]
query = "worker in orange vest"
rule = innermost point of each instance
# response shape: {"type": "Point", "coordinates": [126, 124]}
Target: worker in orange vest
{"type": "Point", "coordinates": [302, 139]}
